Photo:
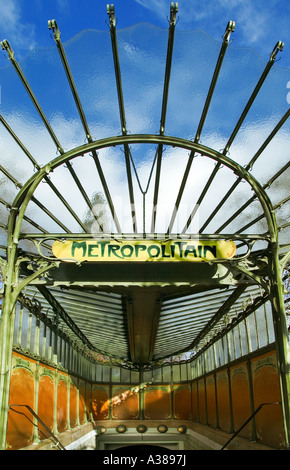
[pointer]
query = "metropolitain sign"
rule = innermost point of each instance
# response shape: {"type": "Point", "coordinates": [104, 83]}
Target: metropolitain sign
{"type": "Point", "coordinates": [143, 250]}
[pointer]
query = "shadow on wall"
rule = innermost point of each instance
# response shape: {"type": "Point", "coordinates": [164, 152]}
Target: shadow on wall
{"type": "Point", "coordinates": [160, 402]}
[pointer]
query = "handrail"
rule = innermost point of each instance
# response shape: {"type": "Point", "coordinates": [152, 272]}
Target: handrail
{"type": "Point", "coordinates": [57, 442]}
{"type": "Point", "coordinates": [249, 419]}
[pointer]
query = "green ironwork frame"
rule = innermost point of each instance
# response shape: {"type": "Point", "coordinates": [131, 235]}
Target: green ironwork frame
{"type": "Point", "coordinates": [13, 285]}
{"type": "Point", "coordinates": [10, 267]}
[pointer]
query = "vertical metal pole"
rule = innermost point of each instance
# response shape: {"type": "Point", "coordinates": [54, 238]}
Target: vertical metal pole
{"type": "Point", "coordinates": [6, 340]}
{"type": "Point", "coordinates": [36, 337]}
{"type": "Point", "coordinates": [49, 354]}
{"type": "Point", "coordinates": [55, 430]}
{"type": "Point", "coordinates": [110, 394]}
{"type": "Point", "coordinates": [281, 335]}
{"type": "Point", "coordinates": [28, 341]}
{"type": "Point", "coordinates": [141, 393]}
{"type": "Point", "coordinates": [36, 396]}
{"type": "Point", "coordinates": [55, 340]}
{"type": "Point", "coordinates": [78, 402]}
{"type": "Point", "coordinates": [171, 393]}
{"type": "Point", "coordinates": [18, 341]}
{"type": "Point", "coordinates": [68, 403]}
{"type": "Point", "coordinates": [60, 359]}
{"type": "Point", "coordinates": [171, 31]}
{"type": "Point", "coordinates": [5, 334]}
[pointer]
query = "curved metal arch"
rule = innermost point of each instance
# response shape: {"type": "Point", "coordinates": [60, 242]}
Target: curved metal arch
{"type": "Point", "coordinates": [23, 197]}
{"type": "Point", "coordinates": [25, 194]}
{"type": "Point", "coordinates": [276, 289]}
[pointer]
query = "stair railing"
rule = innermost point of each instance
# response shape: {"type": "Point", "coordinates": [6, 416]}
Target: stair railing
{"type": "Point", "coordinates": [55, 439]}
{"type": "Point", "coordinates": [248, 420]}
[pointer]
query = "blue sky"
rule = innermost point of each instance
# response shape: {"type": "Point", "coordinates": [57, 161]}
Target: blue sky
{"type": "Point", "coordinates": [259, 23]}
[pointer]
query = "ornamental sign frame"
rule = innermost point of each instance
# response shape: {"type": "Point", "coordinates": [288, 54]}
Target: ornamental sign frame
{"type": "Point", "coordinates": [144, 250]}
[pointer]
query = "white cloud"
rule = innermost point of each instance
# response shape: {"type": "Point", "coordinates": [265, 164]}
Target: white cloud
{"type": "Point", "coordinates": [159, 7]}
{"type": "Point", "coordinates": [64, 7]}
{"type": "Point", "coordinates": [173, 166]}
{"type": "Point", "coordinates": [256, 22]}
{"type": "Point", "coordinates": [13, 28]}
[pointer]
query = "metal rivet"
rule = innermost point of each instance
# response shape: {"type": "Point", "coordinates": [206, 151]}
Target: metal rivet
{"type": "Point", "coordinates": [141, 428]}
{"type": "Point", "coordinates": [121, 428]}
{"type": "Point", "coordinates": [162, 428]}
{"type": "Point", "coordinates": [182, 429]}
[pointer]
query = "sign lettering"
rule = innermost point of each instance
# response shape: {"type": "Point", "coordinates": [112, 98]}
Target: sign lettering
{"type": "Point", "coordinates": [143, 250]}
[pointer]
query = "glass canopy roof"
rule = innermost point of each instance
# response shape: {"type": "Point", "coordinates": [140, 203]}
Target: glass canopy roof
{"type": "Point", "coordinates": [142, 80]}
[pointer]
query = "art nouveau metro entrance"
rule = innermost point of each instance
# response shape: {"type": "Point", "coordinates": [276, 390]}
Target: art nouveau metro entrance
{"type": "Point", "coordinates": [144, 242]}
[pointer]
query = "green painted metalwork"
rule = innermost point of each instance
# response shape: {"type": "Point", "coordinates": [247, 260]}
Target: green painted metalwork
{"type": "Point", "coordinates": [265, 271]}
{"type": "Point", "coordinates": [226, 41]}
{"type": "Point", "coordinates": [53, 26]}
{"type": "Point", "coordinates": [112, 19]}
{"type": "Point", "coordinates": [13, 287]}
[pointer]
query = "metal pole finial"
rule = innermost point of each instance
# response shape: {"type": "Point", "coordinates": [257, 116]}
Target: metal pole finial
{"type": "Point", "coordinates": [6, 47]}
{"type": "Point", "coordinates": [111, 13]}
{"type": "Point", "coordinates": [229, 29]}
{"type": "Point", "coordinates": [278, 47]}
{"type": "Point", "coordinates": [173, 12]}
{"type": "Point", "coordinates": [53, 26]}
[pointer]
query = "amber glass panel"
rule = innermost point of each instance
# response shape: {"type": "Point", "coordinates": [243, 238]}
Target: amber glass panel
{"type": "Point", "coordinates": [125, 403]}
{"type": "Point", "coordinates": [211, 401]}
{"type": "Point", "coordinates": [100, 402]}
{"type": "Point", "coordinates": [82, 402]}
{"type": "Point", "coordinates": [88, 398]}
{"type": "Point", "coordinates": [241, 398]}
{"type": "Point", "coordinates": [195, 413]}
{"type": "Point", "coordinates": [269, 422]}
{"type": "Point", "coordinates": [182, 401]}
{"type": "Point", "coordinates": [20, 425]}
{"type": "Point", "coordinates": [223, 401]}
{"type": "Point", "coordinates": [62, 405]}
{"type": "Point", "coordinates": [73, 405]}
{"type": "Point", "coordinates": [157, 402]}
{"type": "Point", "coordinates": [46, 403]}
{"type": "Point", "coordinates": [202, 402]}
